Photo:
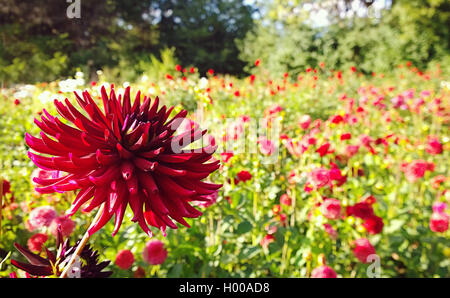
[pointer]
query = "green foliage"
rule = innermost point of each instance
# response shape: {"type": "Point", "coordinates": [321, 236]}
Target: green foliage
{"type": "Point", "coordinates": [415, 31]}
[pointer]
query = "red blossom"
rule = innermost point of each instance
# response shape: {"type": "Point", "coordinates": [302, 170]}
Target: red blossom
{"type": "Point", "coordinates": [363, 249]}
{"type": "Point", "coordinates": [124, 259]}
{"type": "Point", "coordinates": [323, 272]}
{"type": "Point", "coordinates": [154, 252]}
{"type": "Point", "coordinates": [36, 242]}
{"type": "Point", "coordinates": [126, 155]}
{"type": "Point", "coordinates": [373, 224]}
{"type": "Point", "coordinates": [242, 176]}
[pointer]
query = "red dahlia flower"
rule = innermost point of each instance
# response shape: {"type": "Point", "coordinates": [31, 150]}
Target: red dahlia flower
{"type": "Point", "coordinates": [124, 259]}
{"type": "Point", "coordinates": [323, 272]}
{"type": "Point", "coordinates": [126, 154]}
{"type": "Point", "coordinates": [374, 224]}
{"type": "Point", "coordinates": [363, 249]}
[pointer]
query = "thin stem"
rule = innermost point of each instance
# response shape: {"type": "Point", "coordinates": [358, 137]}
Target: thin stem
{"type": "Point", "coordinates": [81, 245]}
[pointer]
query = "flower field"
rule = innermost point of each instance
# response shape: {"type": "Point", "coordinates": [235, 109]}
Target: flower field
{"type": "Point", "coordinates": [328, 174]}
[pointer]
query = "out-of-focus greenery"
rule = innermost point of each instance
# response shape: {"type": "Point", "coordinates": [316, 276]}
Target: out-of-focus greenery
{"type": "Point", "coordinates": [39, 43]}
{"type": "Point", "coordinates": [286, 39]}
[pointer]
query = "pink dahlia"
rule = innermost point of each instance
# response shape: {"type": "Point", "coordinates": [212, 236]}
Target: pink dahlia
{"type": "Point", "coordinates": [331, 208]}
{"type": "Point", "coordinates": [416, 169]}
{"type": "Point", "coordinates": [285, 200]}
{"type": "Point", "coordinates": [36, 242]}
{"type": "Point", "coordinates": [126, 154]}
{"type": "Point", "coordinates": [434, 146]}
{"type": "Point", "coordinates": [323, 272]}
{"type": "Point", "coordinates": [64, 223]}
{"type": "Point", "coordinates": [330, 231]}
{"type": "Point", "coordinates": [42, 217]}
{"type": "Point", "coordinates": [266, 146]}
{"type": "Point", "coordinates": [439, 222]}
{"type": "Point", "coordinates": [304, 121]}
{"type": "Point", "coordinates": [154, 252]}
{"type": "Point", "coordinates": [124, 259]}
{"type": "Point", "coordinates": [319, 177]}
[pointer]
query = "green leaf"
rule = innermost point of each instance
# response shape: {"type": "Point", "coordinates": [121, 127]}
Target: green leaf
{"type": "Point", "coordinates": [244, 227]}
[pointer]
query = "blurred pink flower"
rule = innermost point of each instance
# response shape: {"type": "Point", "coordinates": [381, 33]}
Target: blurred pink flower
{"type": "Point", "coordinates": [154, 252]}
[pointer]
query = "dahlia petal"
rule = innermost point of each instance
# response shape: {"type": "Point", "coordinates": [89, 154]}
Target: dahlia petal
{"type": "Point", "coordinates": [177, 206]}
{"type": "Point", "coordinates": [80, 101]}
{"type": "Point", "coordinates": [41, 162]}
{"type": "Point", "coordinates": [105, 100]}
{"type": "Point", "coordinates": [87, 161]}
{"type": "Point", "coordinates": [68, 129]}
{"type": "Point", "coordinates": [174, 158]}
{"type": "Point", "coordinates": [208, 185]}
{"type": "Point", "coordinates": [50, 256]}
{"type": "Point", "coordinates": [33, 269]}
{"type": "Point", "coordinates": [168, 184]}
{"type": "Point", "coordinates": [197, 175]}
{"type": "Point", "coordinates": [155, 202]}
{"type": "Point", "coordinates": [126, 101]}
{"type": "Point", "coordinates": [51, 181]}
{"type": "Point", "coordinates": [193, 213]}
{"type": "Point", "coordinates": [100, 195]}
{"type": "Point", "coordinates": [127, 170]}
{"type": "Point", "coordinates": [152, 153]}
{"type": "Point", "coordinates": [45, 128]}
{"type": "Point", "coordinates": [106, 159]}
{"type": "Point", "coordinates": [39, 146]}
{"type": "Point", "coordinates": [63, 111]}
{"type": "Point", "coordinates": [105, 216]}
{"type": "Point", "coordinates": [89, 127]}
{"type": "Point", "coordinates": [176, 121]}
{"type": "Point", "coordinates": [169, 171]}
{"type": "Point", "coordinates": [154, 108]}
{"type": "Point", "coordinates": [109, 175]}
{"type": "Point", "coordinates": [81, 182]}
{"type": "Point", "coordinates": [114, 201]}
{"type": "Point", "coordinates": [119, 214]}
{"type": "Point", "coordinates": [124, 153]}
{"type": "Point", "coordinates": [132, 185]}
{"type": "Point", "coordinates": [147, 181]}
{"type": "Point", "coordinates": [144, 164]}
{"type": "Point", "coordinates": [65, 187]}
{"type": "Point", "coordinates": [31, 257]}
{"type": "Point", "coordinates": [83, 196]}
{"type": "Point", "coordinates": [55, 145]}
{"type": "Point", "coordinates": [136, 204]}
{"type": "Point", "coordinates": [90, 141]}
{"type": "Point", "coordinates": [73, 143]}
{"type": "Point", "coordinates": [193, 186]}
